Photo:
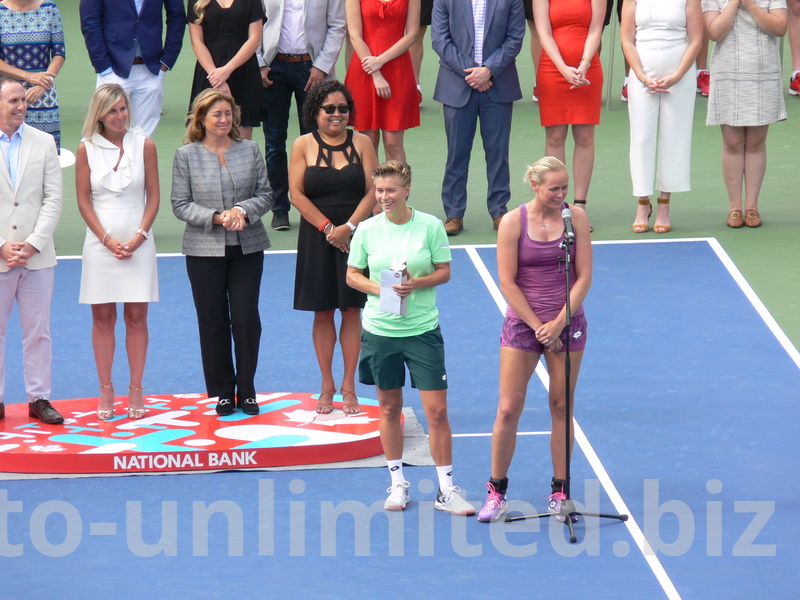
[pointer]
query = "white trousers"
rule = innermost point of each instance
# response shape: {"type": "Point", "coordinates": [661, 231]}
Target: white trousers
{"type": "Point", "coordinates": [33, 291]}
{"type": "Point", "coordinates": [661, 124]}
{"type": "Point", "coordinates": [146, 94]}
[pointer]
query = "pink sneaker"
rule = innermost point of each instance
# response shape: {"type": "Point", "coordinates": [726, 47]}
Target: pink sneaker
{"type": "Point", "coordinates": [495, 506]}
{"type": "Point", "coordinates": [554, 506]}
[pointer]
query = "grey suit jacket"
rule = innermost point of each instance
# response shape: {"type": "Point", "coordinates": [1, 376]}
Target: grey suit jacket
{"type": "Point", "coordinates": [452, 33]}
{"type": "Point", "coordinates": [31, 212]}
{"type": "Point", "coordinates": [324, 28]}
{"type": "Point", "coordinates": [197, 195]}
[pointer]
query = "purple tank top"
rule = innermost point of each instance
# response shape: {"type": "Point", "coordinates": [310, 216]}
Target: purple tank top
{"type": "Point", "coordinates": [540, 275]}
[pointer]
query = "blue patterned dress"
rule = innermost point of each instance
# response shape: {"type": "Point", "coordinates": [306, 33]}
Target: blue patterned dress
{"type": "Point", "coordinates": [29, 40]}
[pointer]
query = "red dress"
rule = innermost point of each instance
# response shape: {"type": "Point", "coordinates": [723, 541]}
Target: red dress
{"type": "Point", "coordinates": [558, 104]}
{"type": "Point", "coordinates": [383, 24]}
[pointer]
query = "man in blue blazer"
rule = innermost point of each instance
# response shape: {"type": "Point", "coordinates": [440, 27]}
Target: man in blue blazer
{"type": "Point", "coordinates": [124, 40]}
{"type": "Point", "coordinates": [477, 81]}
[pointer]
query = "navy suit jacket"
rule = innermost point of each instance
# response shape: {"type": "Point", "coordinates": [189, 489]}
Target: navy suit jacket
{"type": "Point", "coordinates": [452, 33]}
{"type": "Point", "coordinates": [110, 27]}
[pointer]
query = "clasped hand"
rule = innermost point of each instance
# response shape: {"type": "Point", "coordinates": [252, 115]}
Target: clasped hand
{"type": "Point", "coordinates": [549, 335]}
{"type": "Point", "coordinates": [123, 250]}
{"type": "Point", "coordinates": [16, 254]}
{"type": "Point", "coordinates": [339, 237]}
{"type": "Point", "coordinates": [659, 86]}
{"type": "Point", "coordinates": [576, 77]}
{"type": "Point", "coordinates": [371, 64]}
{"type": "Point", "coordinates": [218, 78]}
{"type": "Point", "coordinates": [478, 78]}
{"type": "Point", "coordinates": [232, 219]}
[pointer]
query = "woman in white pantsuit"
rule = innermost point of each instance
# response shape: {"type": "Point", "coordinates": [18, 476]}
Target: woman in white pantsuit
{"type": "Point", "coordinates": [660, 39]}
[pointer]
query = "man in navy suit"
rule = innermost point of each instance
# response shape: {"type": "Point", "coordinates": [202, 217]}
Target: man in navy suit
{"type": "Point", "coordinates": [477, 80]}
{"type": "Point", "coordinates": [124, 40]}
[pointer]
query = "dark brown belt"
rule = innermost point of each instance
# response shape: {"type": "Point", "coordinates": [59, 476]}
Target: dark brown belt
{"type": "Point", "coordinates": [138, 60]}
{"type": "Point", "coordinates": [293, 58]}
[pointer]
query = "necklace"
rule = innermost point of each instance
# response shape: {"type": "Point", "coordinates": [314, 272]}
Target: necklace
{"type": "Point", "coordinates": [545, 225]}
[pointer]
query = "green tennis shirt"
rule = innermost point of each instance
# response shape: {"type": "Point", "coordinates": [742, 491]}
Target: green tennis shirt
{"type": "Point", "coordinates": [376, 244]}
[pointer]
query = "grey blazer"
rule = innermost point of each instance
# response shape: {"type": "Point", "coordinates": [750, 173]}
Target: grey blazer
{"type": "Point", "coordinates": [324, 28]}
{"type": "Point", "coordinates": [197, 195]}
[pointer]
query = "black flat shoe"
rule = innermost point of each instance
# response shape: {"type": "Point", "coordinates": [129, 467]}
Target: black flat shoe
{"type": "Point", "coordinates": [2, 411]}
{"type": "Point", "coordinates": [249, 406]}
{"type": "Point", "coordinates": [224, 407]}
{"type": "Point", "coordinates": [42, 409]}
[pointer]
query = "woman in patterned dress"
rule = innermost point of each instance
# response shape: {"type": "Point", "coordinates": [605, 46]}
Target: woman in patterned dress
{"type": "Point", "coordinates": [746, 93]}
{"type": "Point", "coordinates": [32, 50]}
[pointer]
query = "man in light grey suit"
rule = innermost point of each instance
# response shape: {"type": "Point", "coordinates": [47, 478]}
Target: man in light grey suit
{"type": "Point", "coordinates": [31, 196]}
{"type": "Point", "coordinates": [477, 80]}
{"type": "Point", "coordinates": [299, 48]}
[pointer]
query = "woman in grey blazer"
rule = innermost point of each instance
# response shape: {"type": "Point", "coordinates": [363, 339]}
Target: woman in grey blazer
{"type": "Point", "coordinates": [220, 189]}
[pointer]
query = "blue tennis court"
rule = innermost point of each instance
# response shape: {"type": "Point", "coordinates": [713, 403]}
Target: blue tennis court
{"type": "Point", "coordinates": [686, 413]}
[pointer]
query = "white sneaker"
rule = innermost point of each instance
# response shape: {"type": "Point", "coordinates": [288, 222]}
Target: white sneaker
{"type": "Point", "coordinates": [451, 501]}
{"type": "Point", "coordinates": [398, 496]}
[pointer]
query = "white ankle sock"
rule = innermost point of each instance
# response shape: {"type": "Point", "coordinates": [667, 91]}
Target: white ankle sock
{"type": "Point", "coordinates": [396, 470]}
{"type": "Point", "coordinates": [445, 477]}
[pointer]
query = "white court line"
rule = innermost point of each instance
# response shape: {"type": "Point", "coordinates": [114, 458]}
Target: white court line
{"type": "Point", "coordinates": [594, 461]}
{"type": "Point", "coordinates": [465, 435]}
{"type": "Point", "coordinates": [748, 291]}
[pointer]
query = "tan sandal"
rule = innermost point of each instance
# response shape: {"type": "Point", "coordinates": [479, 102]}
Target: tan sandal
{"type": "Point", "coordinates": [102, 413]}
{"type": "Point", "coordinates": [644, 227]}
{"type": "Point", "coordinates": [325, 401]}
{"type": "Point", "coordinates": [662, 228]}
{"type": "Point", "coordinates": [350, 407]}
{"type": "Point", "coordinates": [136, 412]}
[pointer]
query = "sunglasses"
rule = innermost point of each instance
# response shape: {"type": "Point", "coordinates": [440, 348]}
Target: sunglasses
{"type": "Point", "coordinates": [331, 108]}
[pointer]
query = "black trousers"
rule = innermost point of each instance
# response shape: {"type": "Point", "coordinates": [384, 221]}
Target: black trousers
{"type": "Point", "coordinates": [225, 291]}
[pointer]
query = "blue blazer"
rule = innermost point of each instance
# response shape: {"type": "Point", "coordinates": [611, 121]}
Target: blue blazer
{"type": "Point", "coordinates": [452, 33]}
{"type": "Point", "coordinates": [110, 27]}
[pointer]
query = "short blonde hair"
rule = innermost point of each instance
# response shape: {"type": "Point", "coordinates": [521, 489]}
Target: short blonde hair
{"type": "Point", "coordinates": [396, 168]}
{"type": "Point", "coordinates": [536, 172]}
{"type": "Point", "coordinates": [103, 100]}
{"type": "Point", "coordinates": [195, 130]}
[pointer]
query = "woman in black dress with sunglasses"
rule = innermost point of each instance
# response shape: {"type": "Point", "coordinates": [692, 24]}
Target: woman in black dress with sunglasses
{"type": "Point", "coordinates": [330, 184]}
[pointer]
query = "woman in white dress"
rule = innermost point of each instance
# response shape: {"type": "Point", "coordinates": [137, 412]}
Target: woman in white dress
{"type": "Point", "coordinates": [116, 179]}
{"type": "Point", "coordinates": [660, 39]}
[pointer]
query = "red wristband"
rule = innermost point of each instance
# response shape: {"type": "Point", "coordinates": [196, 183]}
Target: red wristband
{"type": "Point", "coordinates": [324, 224]}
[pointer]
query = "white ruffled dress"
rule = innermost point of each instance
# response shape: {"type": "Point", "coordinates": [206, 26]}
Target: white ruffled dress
{"type": "Point", "coordinates": [118, 198]}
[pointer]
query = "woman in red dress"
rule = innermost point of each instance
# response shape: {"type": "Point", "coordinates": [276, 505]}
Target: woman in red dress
{"type": "Point", "coordinates": [380, 75]}
{"type": "Point", "coordinates": [569, 81]}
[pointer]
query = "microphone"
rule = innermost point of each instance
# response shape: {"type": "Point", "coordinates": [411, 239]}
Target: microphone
{"type": "Point", "coordinates": [566, 214]}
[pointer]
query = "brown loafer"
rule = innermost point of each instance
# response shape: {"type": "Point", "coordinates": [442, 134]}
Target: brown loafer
{"type": "Point", "coordinates": [752, 218]}
{"type": "Point", "coordinates": [735, 219]}
{"type": "Point", "coordinates": [453, 226]}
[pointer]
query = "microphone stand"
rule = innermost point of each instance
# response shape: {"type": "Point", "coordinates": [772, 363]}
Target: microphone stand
{"type": "Point", "coordinates": [567, 506]}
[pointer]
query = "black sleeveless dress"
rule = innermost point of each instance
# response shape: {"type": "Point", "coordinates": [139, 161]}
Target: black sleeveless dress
{"type": "Point", "coordinates": [319, 282]}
